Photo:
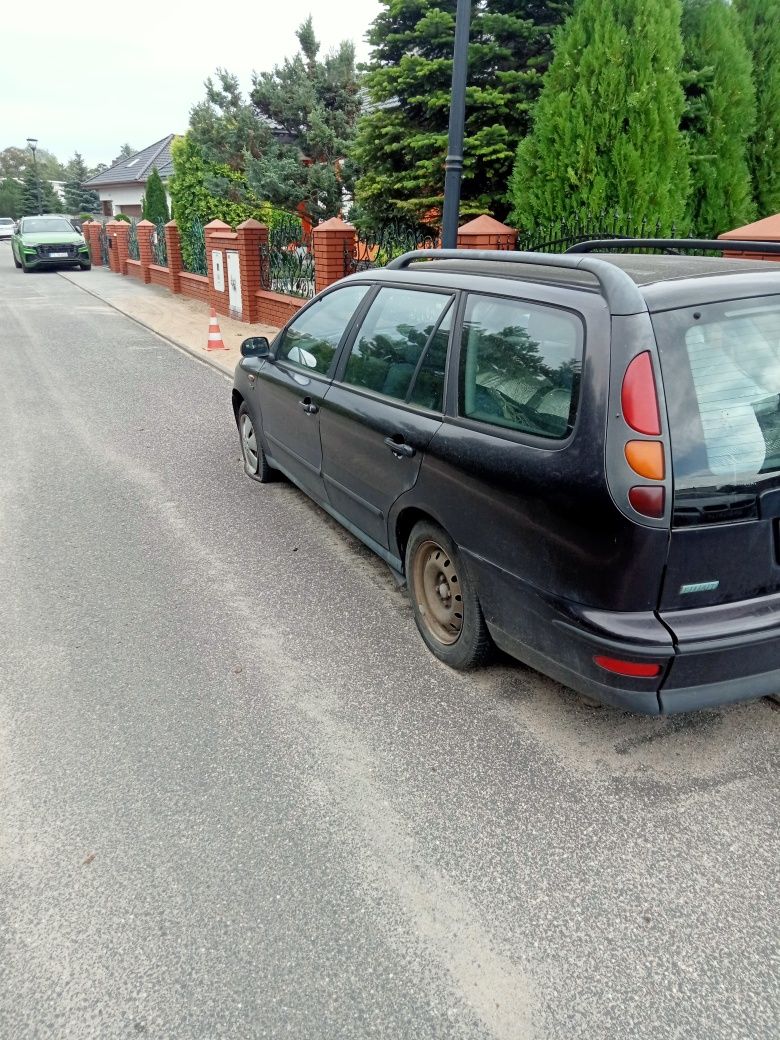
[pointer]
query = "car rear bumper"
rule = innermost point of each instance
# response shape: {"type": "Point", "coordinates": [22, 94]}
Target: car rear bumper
{"type": "Point", "coordinates": [725, 653]}
{"type": "Point", "coordinates": [707, 656]}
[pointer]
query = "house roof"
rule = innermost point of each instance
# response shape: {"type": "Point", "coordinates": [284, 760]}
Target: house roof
{"type": "Point", "coordinates": [136, 168]}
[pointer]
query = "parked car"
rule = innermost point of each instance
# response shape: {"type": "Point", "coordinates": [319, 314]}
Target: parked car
{"type": "Point", "coordinates": [49, 241]}
{"type": "Point", "coordinates": [7, 227]}
{"type": "Point", "coordinates": [576, 458]}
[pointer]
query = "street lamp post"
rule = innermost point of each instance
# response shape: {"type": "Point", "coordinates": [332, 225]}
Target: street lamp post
{"type": "Point", "coordinates": [453, 166]}
{"type": "Point", "coordinates": [32, 143]}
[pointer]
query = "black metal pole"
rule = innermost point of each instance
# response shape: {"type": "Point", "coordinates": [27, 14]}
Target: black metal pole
{"type": "Point", "coordinates": [32, 144]}
{"type": "Point", "coordinates": [453, 166]}
{"type": "Point", "coordinates": [37, 182]}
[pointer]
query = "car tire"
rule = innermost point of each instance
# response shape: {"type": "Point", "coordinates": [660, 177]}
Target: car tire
{"type": "Point", "coordinates": [25, 268]}
{"type": "Point", "coordinates": [255, 462]}
{"type": "Point", "coordinates": [85, 267]}
{"type": "Point", "coordinates": [444, 600]}
{"type": "Point", "coordinates": [16, 262]}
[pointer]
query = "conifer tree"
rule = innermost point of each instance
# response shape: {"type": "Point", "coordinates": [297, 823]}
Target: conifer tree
{"type": "Point", "coordinates": [314, 101]}
{"type": "Point", "coordinates": [77, 198]}
{"type": "Point", "coordinates": [760, 21]}
{"type": "Point", "coordinates": [402, 139]}
{"type": "Point", "coordinates": [606, 128]}
{"type": "Point", "coordinates": [155, 202]}
{"type": "Point", "coordinates": [50, 200]}
{"type": "Point", "coordinates": [719, 118]}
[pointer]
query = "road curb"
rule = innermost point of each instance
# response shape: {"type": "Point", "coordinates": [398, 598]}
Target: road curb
{"type": "Point", "coordinates": [192, 351]}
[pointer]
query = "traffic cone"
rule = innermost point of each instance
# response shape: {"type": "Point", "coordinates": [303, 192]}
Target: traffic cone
{"type": "Point", "coordinates": [215, 341]}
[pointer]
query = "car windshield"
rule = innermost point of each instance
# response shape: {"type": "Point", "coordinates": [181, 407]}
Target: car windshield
{"type": "Point", "coordinates": [721, 369]}
{"type": "Point", "coordinates": [42, 225]}
{"type": "Point", "coordinates": [6, 220]}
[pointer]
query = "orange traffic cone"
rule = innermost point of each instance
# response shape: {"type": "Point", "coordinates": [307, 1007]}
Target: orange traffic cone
{"type": "Point", "coordinates": [215, 341]}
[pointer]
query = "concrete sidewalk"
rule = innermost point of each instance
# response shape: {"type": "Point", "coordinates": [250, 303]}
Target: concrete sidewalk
{"type": "Point", "coordinates": [178, 319]}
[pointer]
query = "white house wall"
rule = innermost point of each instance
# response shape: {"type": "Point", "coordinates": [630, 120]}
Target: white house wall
{"type": "Point", "coordinates": [124, 195]}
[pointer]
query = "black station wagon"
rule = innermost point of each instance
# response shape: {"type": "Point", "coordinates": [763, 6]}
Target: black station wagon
{"type": "Point", "coordinates": [575, 458]}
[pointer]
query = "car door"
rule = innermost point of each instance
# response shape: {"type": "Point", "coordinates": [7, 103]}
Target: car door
{"type": "Point", "coordinates": [385, 404]}
{"type": "Point", "coordinates": [290, 387]}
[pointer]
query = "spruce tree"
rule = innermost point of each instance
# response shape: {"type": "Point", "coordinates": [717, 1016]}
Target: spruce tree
{"type": "Point", "coordinates": [606, 128]}
{"type": "Point", "coordinates": [719, 118]}
{"type": "Point", "coordinates": [155, 202]}
{"type": "Point", "coordinates": [402, 139]}
{"type": "Point", "coordinates": [760, 21]}
{"type": "Point", "coordinates": [77, 198]}
{"type": "Point", "coordinates": [315, 101]}
{"type": "Point", "coordinates": [50, 200]}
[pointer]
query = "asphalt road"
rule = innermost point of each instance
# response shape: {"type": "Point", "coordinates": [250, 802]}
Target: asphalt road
{"type": "Point", "coordinates": [239, 799]}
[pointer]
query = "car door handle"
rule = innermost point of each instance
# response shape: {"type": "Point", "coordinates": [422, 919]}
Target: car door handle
{"type": "Point", "coordinates": [400, 449]}
{"type": "Point", "coordinates": [309, 406]}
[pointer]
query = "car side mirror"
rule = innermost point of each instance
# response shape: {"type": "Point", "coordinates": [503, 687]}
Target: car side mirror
{"type": "Point", "coordinates": [256, 346]}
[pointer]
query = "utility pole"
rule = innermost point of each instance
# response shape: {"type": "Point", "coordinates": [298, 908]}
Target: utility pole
{"type": "Point", "coordinates": [453, 166]}
{"type": "Point", "coordinates": [32, 143]}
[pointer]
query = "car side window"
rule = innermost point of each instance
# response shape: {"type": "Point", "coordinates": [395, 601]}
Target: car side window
{"type": "Point", "coordinates": [312, 340]}
{"type": "Point", "coordinates": [520, 366]}
{"type": "Point", "coordinates": [428, 388]}
{"type": "Point", "coordinates": [392, 338]}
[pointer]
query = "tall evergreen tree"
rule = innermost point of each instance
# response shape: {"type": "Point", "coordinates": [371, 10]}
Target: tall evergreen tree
{"type": "Point", "coordinates": [402, 139]}
{"type": "Point", "coordinates": [225, 127]}
{"type": "Point", "coordinates": [315, 102]}
{"type": "Point", "coordinates": [720, 115]}
{"type": "Point", "coordinates": [606, 128]}
{"type": "Point", "coordinates": [79, 199]}
{"type": "Point", "coordinates": [124, 153]}
{"type": "Point", "coordinates": [155, 203]}
{"type": "Point", "coordinates": [50, 200]}
{"type": "Point", "coordinates": [760, 21]}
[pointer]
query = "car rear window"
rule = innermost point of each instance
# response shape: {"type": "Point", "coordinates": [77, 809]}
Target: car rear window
{"type": "Point", "coordinates": [721, 372]}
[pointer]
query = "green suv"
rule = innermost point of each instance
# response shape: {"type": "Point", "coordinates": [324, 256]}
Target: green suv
{"type": "Point", "coordinates": [48, 241]}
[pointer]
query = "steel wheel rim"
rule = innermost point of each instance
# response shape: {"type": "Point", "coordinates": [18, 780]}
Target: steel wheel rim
{"type": "Point", "coordinates": [437, 592]}
{"type": "Point", "coordinates": [249, 443]}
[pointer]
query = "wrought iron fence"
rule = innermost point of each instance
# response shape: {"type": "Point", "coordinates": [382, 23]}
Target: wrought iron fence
{"type": "Point", "coordinates": [132, 241]}
{"type": "Point", "coordinates": [193, 247]}
{"type": "Point", "coordinates": [159, 245]}
{"type": "Point", "coordinates": [287, 260]}
{"type": "Point", "coordinates": [558, 236]}
{"type": "Point", "coordinates": [378, 245]}
{"type": "Point", "coordinates": [103, 240]}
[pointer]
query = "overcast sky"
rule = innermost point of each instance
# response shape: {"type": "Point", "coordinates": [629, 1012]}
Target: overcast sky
{"type": "Point", "coordinates": [90, 78]}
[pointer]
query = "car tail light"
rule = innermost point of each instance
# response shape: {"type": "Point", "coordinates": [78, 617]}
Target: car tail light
{"type": "Point", "coordinates": [639, 398]}
{"type": "Point", "coordinates": [637, 669]}
{"type": "Point", "coordinates": [649, 501]}
{"type": "Point", "coordinates": [646, 458]}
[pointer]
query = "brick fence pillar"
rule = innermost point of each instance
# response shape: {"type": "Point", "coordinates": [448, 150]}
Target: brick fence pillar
{"type": "Point", "coordinates": [175, 262]}
{"type": "Point", "coordinates": [219, 238]}
{"type": "Point", "coordinates": [91, 232]}
{"type": "Point", "coordinates": [121, 234]}
{"type": "Point", "coordinates": [251, 235]}
{"type": "Point", "coordinates": [144, 229]}
{"type": "Point", "coordinates": [486, 233]}
{"type": "Point", "coordinates": [332, 240]}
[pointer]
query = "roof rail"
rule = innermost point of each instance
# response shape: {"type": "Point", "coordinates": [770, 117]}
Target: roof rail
{"type": "Point", "coordinates": [617, 288]}
{"type": "Point", "coordinates": [677, 245]}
